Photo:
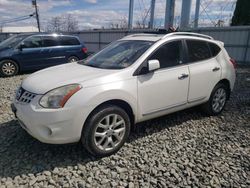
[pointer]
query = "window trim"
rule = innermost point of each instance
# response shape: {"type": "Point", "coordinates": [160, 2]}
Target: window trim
{"type": "Point", "coordinates": [144, 63]}
{"type": "Point", "coordinates": [201, 61]}
{"type": "Point", "coordinates": [27, 38]}
{"type": "Point", "coordinates": [72, 37]}
{"type": "Point", "coordinates": [43, 39]}
{"type": "Point", "coordinates": [208, 43]}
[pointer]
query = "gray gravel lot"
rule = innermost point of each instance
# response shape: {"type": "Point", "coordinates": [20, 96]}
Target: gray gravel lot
{"type": "Point", "coordinates": [182, 149]}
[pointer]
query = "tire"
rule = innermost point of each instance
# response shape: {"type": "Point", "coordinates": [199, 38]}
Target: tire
{"type": "Point", "coordinates": [73, 59]}
{"type": "Point", "coordinates": [217, 100]}
{"type": "Point", "coordinates": [99, 132]}
{"type": "Point", "coordinates": [8, 68]}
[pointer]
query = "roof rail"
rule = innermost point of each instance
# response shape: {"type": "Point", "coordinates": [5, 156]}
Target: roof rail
{"type": "Point", "coordinates": [188, 34]}
{"type": "Point", "coordinates": [141, 34]}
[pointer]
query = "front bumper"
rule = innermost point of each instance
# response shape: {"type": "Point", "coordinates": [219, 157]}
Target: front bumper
{"type": "Point", "coordinates": [54, 126]}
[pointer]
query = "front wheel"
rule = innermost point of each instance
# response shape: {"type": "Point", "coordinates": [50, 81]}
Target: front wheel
{"type": "Point", "coordinates": [217, 100]}
{"type": "Point", "coordinates": [8, 68]}
{"type": "Point", "coordinates": [106, 131]}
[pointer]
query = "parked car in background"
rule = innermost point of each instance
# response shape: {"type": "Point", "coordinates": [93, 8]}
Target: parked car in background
{"type": "Point", "coordinates": [37, 51]}
{"type": "Point", "coordinates": [137, 78]}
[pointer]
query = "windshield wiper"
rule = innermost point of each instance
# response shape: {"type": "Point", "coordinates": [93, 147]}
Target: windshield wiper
{"type": "Point", "coordinates": [91, 65]}
{"type": "Point", "coordinates": [83, 62]}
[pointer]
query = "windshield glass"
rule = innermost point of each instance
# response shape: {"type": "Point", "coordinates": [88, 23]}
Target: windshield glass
{"type": "Point", "coordinates": [11, 42]}
{"type": "Point", "coordinates": [118, 55]}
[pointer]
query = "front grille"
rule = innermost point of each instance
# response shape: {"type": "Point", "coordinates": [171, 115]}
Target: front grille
{"type": "Point", "coordinates": [24, 96]}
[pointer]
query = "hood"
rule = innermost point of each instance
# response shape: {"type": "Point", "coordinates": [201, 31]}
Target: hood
{"type": "Point", "coordinates": [57, 76]}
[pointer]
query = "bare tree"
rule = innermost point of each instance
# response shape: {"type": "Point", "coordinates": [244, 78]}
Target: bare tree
{"type": "Point", "coordinates": [1, 28]}
{"type": "Point", "coordinates": [124, 22]}
{"type": "Point", "coordinates": [121, 23]}
{"type": "Point", "coordinates": [71, 23]}
{"type": "Point", "coordinates": [55, 24]}
{"type": "Point", "coordinates": [67, 23]}
{"type": "Point", "coordinates": [142, 22]}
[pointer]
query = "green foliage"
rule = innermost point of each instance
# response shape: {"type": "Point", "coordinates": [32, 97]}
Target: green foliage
{"type": "Point", "coordinates": [242, 13]}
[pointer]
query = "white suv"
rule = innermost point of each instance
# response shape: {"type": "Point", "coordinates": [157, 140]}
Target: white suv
{"type": "Point", "coordinates": [136, 78]}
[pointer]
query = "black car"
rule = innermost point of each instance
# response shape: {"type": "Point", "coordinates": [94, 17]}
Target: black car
{"type": "Point", "coordinates": [36, 51]}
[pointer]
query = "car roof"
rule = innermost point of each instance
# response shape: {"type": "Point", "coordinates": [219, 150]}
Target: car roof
{"type": "Point", "coordinates": [45, 34]}
{"type": "Point", "coordinates": [157, 37]}
{"type": "Point", "coordinates": [144, 36]}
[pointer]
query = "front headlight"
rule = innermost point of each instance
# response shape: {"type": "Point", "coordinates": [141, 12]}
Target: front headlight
{"type": "Point", "coordinates": [57, 98]}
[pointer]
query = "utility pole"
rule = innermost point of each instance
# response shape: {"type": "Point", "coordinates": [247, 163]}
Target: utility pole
{"type": "Point", "coordinates": [169, 14]}
{"type": "Point", "coordinates": [152, 14]}
{"type": "Point", "coordinates": [130, 17]}
{"type": "Point", "coordinates": [185, 13]}
{"type": "Point", "coordinates": [34, 3]}
{"type": "Point", "coordinates": [197, 13]}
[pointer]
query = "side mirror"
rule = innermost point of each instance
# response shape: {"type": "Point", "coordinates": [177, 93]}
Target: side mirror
{"type": "Point", "coordinates": [153, 65]}
{"type": "Point", "coordinates": [20, 47]}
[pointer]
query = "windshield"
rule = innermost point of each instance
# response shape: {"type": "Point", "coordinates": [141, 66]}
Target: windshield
{"type": "Point", "coordinates": [11, 42]}
{"type": "Point", "coordinates": [118, 55]}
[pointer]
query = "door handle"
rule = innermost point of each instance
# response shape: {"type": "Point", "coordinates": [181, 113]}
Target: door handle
{"type": "Point", "coordinates": [183, 76]}
{"type": "Point", "coordinates": [216, 69]}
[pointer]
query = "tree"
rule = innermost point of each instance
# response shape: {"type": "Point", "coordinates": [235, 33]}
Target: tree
{"type": "Point", "coordinates": [121, 23]}
{"type": "Point", "coordinates": [71, 23]}
{"type": "Point", "coordinates": [67, 23]}
{"type": "Point", "coordinates": [55, 24]}
{"type": "Point", "coordinates": [242, 13]}
{"type": "Point", "coordinates": [142, 22]}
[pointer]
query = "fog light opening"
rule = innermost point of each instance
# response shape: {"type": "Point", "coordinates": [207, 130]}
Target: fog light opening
{"type": "Point", "coordinates": [50, 132]}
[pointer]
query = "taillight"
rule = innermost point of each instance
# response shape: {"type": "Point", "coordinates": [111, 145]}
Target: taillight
{"type": "Point", "coordinates": [233, 62]}
{"type": "Point", "coordinates": [84, 50]}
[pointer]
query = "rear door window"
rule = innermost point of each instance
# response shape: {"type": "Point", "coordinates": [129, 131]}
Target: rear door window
{"type": "Point", "coordinates": [69, 41]}
{"type": "Point", "coordinates": [50, 41]}
{"type": "Point", "coordinates": [32, 42]}
{"type": "Point", "coordinates": [198, 50]}
{"type": "Point", "coordinates": [215, 49]}
{"type": "Point", "coordinates": [169, 54]}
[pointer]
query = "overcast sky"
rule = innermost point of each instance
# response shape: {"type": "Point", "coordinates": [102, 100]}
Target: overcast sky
{"type": "Point", "coordinates": [98, 13]}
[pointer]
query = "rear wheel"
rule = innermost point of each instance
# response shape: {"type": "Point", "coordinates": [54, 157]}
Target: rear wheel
{"type": "Point", "coordinates": [73, 59]}
{"type": "Point", "coordinates": [106, 131]}
{"type": "Point", "coordinates": [217, 100]}
{"type": "Point", "coordinates": [8, 68]}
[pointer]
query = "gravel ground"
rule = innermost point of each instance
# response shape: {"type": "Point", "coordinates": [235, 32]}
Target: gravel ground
{"type": "Point", "coordinates": [185, 149]}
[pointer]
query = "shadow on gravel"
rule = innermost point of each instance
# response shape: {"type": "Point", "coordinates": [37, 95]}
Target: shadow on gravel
{"type": "Point", "coordinates": [165, 122]}
{"type": "Point", "coordinates": [21, 154]}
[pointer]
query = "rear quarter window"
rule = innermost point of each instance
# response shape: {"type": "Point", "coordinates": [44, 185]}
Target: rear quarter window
{"type": "Point", "coordinates": [69, 41]}
{"type": "Point", "coordinates": [215, 49]}
{"type": "Point", "coordinates": [198, 50]}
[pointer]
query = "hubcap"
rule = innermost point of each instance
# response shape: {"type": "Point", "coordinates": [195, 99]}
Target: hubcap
{"type": "Point", "coordinates": [109, 132]}
{"type": "Point", "coordinates": [8, 68]}
{"type": "Point", "coordinates": [219, 100]}
{"type": "Point", "coordinates": [72, 60]}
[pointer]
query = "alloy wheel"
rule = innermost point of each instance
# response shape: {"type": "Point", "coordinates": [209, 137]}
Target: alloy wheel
{"type": "Point", "coordinates": [109, 132]}
{"type": "Point", "coordinates": [219, 100]}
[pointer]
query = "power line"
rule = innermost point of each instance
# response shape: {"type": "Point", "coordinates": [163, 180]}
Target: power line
{"type": "Point", "coordinates": [34, 3]}
{"type": "Point", "coordinates": [17, 19]}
